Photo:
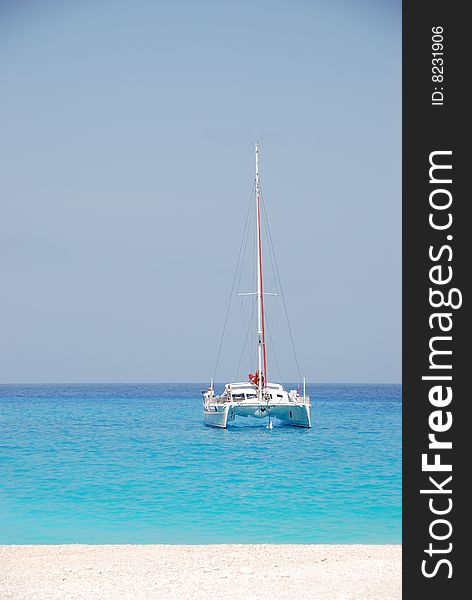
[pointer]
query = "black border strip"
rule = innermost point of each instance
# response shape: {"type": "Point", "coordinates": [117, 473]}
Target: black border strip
{"type": "Point", "coordinates": [428, 128]}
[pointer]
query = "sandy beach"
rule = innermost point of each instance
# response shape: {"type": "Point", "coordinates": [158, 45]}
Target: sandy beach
{"type": "Point", "coordinates": [220, 572]}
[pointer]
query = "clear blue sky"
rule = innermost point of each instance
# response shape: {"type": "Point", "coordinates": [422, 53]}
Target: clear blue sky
{"type": "Point", "coordinates": [126, 146]}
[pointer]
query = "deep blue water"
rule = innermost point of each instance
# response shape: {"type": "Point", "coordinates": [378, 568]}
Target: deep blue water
{"type": "Point", "coordinates": [134, 464]}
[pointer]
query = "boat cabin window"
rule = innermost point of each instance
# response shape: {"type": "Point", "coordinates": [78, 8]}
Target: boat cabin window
{"type": "Point", "coordinates": [279, 396]}
{"type": "Point", "coordinates": [238, 396]}
{"type": "Point", "coordinates": [249, 396]}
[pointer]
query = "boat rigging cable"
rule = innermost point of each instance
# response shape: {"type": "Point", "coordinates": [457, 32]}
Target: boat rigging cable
{"type": "Point", "coordinates": [277, 272]}
{"type": "Point", "coordinates": [272, 347]}
{"type": "Point", "coordinates": [245, 325]}
{"type": "Point", "coordinates": [246, 338]}
{"type": "Point", "coordinates": [237, 278]}
{"type": "Point", "coordinates": [234, 282]}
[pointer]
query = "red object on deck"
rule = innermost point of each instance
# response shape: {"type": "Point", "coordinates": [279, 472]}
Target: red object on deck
{"type": "Point", "coordinates": [254, 378]}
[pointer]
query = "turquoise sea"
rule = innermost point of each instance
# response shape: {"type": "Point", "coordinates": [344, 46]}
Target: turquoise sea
{"type": "Point", "coordinates": [134, 463]}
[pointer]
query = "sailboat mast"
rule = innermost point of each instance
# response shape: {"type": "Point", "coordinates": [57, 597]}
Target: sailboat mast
{"type": "Point", "coordinates": [261, 347]}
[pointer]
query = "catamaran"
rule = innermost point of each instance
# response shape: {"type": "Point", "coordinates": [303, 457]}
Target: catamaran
{"type": "Point", "coordinates": [257, 397]}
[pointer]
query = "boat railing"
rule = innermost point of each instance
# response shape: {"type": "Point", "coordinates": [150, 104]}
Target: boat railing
{"type": "Point", "coordinates": [215, 399]}
{"type": "Point", "coordinates": [304, 400]}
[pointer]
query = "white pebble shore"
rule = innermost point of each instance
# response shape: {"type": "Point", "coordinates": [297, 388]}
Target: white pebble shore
{"type": "Point", "coordinates": [201, 572]}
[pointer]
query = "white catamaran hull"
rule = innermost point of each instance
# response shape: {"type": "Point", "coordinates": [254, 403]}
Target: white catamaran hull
{"type": "Point", "coordinates": [219, 413]}
{"type": "Point", "coordinates": [297, 416]}
{"type": "Point", "coordinates": [216, 415]}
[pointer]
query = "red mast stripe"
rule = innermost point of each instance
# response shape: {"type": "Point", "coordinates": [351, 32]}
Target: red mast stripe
{"type": "Point", "coordinates": [262, 291]}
